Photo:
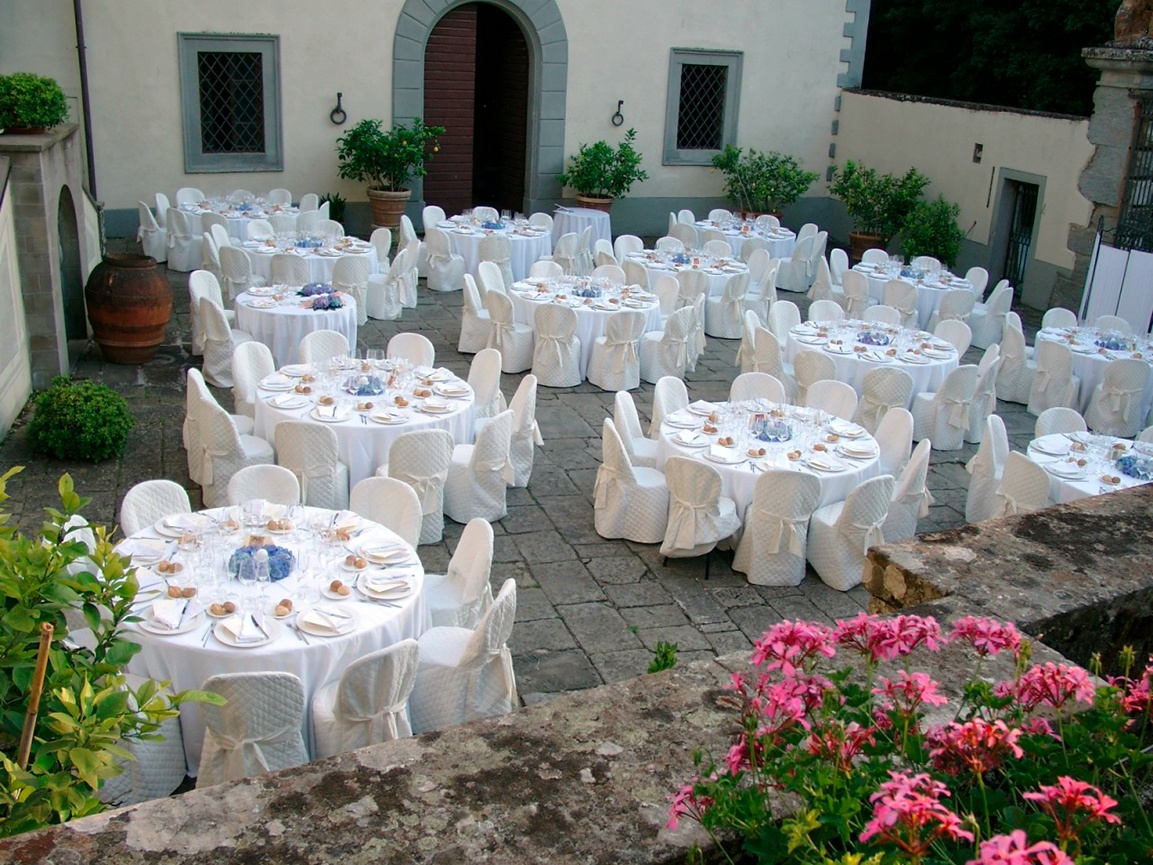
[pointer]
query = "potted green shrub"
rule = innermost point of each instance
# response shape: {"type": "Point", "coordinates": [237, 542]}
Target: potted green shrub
{"type": "Point", "coordinates": [762, 181]}
{"type": "Point", "coordinates": [601, 173]}
{"type": "Point", "coordinates": [931, 229]}
{"type": "Point", "coordinates": [30, 103]}
{"type": "Point", "coordinates": [877, 203]}
{"type": "Point", "coordinates": [386, 160]}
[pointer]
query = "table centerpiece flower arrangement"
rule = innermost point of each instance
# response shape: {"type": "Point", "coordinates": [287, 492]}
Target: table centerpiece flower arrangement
{"type": "Point", "coordinates": [280, 559]}
{"type": "Point", "coordinates": [1112, 342]}
{"type": "Point", "coordinates": [873, 337]}
{"type": "Point", "coordinates": [313, 289]}
{"type": "Point", "coordinates": [364, 385]}
{"type": "Point", "coordinates": [1044, 766]}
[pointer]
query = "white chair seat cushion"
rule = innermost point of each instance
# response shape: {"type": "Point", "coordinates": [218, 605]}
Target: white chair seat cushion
{"type": "Point", "coordinates": [244, 424]}
{"type": "Point", "coordinates": [256, 449]}
{"type": "Point", "coordinates": [653, 479]}
{"type": "Point", "coordinates": [645, 454]}
{"type": "Point", "coordinates": [326, 731]}
{"type": "Point", "coordinates": [461, 454]}
{"type": "Point", "coordinates": [443, 646]}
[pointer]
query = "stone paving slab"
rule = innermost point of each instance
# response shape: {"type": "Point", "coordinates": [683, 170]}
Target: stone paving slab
{"type": "Point", "coordinates": [590, 610]}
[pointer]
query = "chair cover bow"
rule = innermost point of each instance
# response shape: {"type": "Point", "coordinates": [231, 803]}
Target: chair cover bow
{"type": "Point", "coordinates": [958, 412]}
{"type": "Point", "coordinates": [864, 535]}
{"type": "Point", "coordinates": [428, 489]}
{"type": "Point", "coordinates": [787, 531]}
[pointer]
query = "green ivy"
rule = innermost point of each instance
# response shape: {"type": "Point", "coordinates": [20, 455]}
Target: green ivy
{"type": "Point", "coordinates": [80, 420]}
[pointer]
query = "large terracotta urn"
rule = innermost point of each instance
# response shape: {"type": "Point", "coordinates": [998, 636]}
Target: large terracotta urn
{"type": "Point", "coordinates": [594, 202]}
{"type": "Point", "coordinates": [860, 241]}
{"type": "Point", "coordinates": [387, 207]}
{"type": "Point", "coordinates": [129, 304]}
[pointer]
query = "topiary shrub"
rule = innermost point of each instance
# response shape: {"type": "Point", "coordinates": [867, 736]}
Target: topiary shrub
{"type": "Point", "coordinates": [30, 101]}
{"type": "Point", "coordinates": [80, 420]}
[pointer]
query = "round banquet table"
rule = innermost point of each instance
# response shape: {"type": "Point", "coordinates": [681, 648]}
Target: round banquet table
{"type": "Point", "coordinates": [592, 317]}
{"type": "Point", "coordinates": [738, 479]}
{"type": "Point", "coordinates": [1058, 454]}
{"type": "Point", "coordinates": [238, 220]}
{"type": "Point", "coordinates": [363, 442]}
{"type": "Point", "coordinates": [528, 244]}
{"type": "Point", "coordinates": [781, 240]}
{"type": "Point", "coordinates": [188, 659]}
{"type": "Point", "coordinates": [569, 220]}
{"type": "Point", "coordinates": [928, 368]}
{"type": "Point", "coordinates": [320, 261]}
{"type": "Point", "coordinates": [930, 290]}
{"type": "Point", "coordinates": [1091, 361]}
{"type": "Point", "coordinates": [281, 324]}
{"type": "Point", "coordinates": [658, 264]}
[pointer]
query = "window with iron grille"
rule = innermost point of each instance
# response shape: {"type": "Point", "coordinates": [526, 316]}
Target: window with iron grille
{"type": "Point", "coordinates": [230, 94]}
{"type": "Point", "coordinates": [1135, 226]}
{"type": "Point", "coordinates": [701, 118]}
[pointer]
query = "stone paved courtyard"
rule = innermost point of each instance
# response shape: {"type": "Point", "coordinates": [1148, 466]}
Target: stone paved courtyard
{"type": "Point", "coordinates": [589, 611]}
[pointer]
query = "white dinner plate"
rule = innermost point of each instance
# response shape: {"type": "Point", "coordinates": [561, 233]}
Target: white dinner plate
{"type": "Point", "coordinates": [385, 590]}
{"type": "Point", "coordinates": [277, 383]}
{"type": "Point", "coordinates": [339, 417]}
{"type": "Point", "coordinates": [287, 401]}
{"type": "Point", "coordinates": [936, 353]}
{"type": "Point", "coordinates": [907, 357]}
{"type": "Point", "coordinates": [683, 423]}
{"type": "Point", "coordinates": [344, 622]}
{"type": "Point", "coordinates": [386, 554]}
{"type": "Point", "coordinates": [436, 408]}
{"type": "Point", "coordinates": [726, 459]}
{"type": "Point", "coordinates": [857, 453]}
{"type": "Point", "coordinates": [696, 440]}
{"type": "Point", "coordinates": [838, 349]}
{"type": "Point", "coordinates": [296, 370]}
{"type": "Point", "coordinates": [825, 464]}
{"type": "Point", "coordinates": [191, 623]}
{"type": "Point", "coordinates": [271, 629]}
{"type": "Point", "coordinates": [1051, 448]}
{"type": "Point", "coordinates": [1066, 471]}
{"type": "Point", "coordinates": [261, 291]}
{"type": "Point", "coordinates": [702, 408]}
{"type": "Point", "coordinates": [389, 418]}
{"type": "Point", "coordinates": [177, 525]}
{"type": "Point", "coordinates": [450, 390]}
{"type": "Point", "coordinates": [846, 429]}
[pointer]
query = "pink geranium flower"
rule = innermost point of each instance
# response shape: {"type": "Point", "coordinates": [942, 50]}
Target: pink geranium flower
{"type": "Point", "coordinates": [788, 645]}
{"type": "Point", "coordinates": [1014, 849]}
{"type": "Point", "coordinates": [1072, 804]}
{"type": "Point", "coordinates": [886, 639]}
{"type": "Point", "coordinates": [907, 812]}
{"type": "Point", "coordinates": [1051, 684]}
{"type": "Point", "coordinates": [907, 692]}
{"type": "Point", "coordinates": [975, 746]}
{"type": "Point", "coordinates": [987, 636]}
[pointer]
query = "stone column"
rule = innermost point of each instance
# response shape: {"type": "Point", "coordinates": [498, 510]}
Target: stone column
{"type": "Point", "coordinates": [1126, 77]}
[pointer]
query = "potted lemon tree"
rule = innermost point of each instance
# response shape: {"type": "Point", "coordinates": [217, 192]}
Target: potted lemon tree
{"type": "Point", "coordinates": [600, 173]}
{"type": "Point", "coordinates": [877, 203]}
{"type": "Point", "coordinates": [762, 181]}
{"type": "Point", "coordinates": [386, 160]}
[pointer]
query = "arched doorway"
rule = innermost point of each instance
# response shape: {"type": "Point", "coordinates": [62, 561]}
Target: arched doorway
{"type": "Point", "coordinates": [476, 85]}
{"type": "Point", "coordinates": [71, 280]}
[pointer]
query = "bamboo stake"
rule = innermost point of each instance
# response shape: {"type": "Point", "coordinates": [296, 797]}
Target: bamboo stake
{"type": "Point", "coordinates": [34, 696]}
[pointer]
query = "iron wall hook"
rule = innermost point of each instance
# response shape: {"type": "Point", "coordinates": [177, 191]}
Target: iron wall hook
{"type": "Point", "coordinates": [618, 119]}
{"type": "Point", "coordinates": [338, 115]}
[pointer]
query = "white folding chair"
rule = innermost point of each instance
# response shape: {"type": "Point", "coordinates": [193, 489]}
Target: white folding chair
{"type": "Point", "coordinates": [462, 595]}
{"type": "Point", "coordinates": [766, 221]}
{"type": "Point", "coordinates": [257, 729]}
{"type": "Point", "coordinates": [565, 253]}
{"type": "Point", "coordinates": [219, 342]}
{"type": "Point", "coordinates": [525, 433]}
{"type": "Point", "coordinates": [150, 235]}
{"type": "Point", "coordinates": [484, 379]}
{"type": "Point", "coordinates": [474, 320]}
{"type": "Point", "coordinates": [762, 290]}
{"type": "Point", "coordinates": [308, 223]}
{"type": "Point", "coordinates": [977, 277]}
{"type": "Point", "coordinates": [822, 287]}
{"type": "Point", "coordinates": [745, 361]}
{"type": "Point", "coordinates": [475, 486]}
{"type": "Point", "coordinates": [825, 311]}
{"type": "Point", "coordinates": [686, 234]}
{"type": "Point", "coordinates": [668, 243]}
{"type": "Point", "coordinates": [603, 253]}
{"type": "Point", "coordinates": [484, 213]}
{"type": "Point", "coordinates": [665, 352]}
{"type": "Point", "coordinates": [445, 268]}
{"type": "Point", "coordinates": [882, 389]}
{"type": "Point", "coordinates": [927, 263]}
{"type": "Point", "coordinates": [883, 314]}
{"type": "Point", "coordinates": [875, 256]}
{"type": "Point", "coordinates": [311, 452]}
{"type": "Point", "coordinates": [288, 268]}
{"type": "Point", "coordinates": [150, 501]}
{"type": "Point", "coordinates": [381, 239]}
{"type": "Point", "coordinates": [406, 235]}
{"type": "Point", "coordinates": [613, 273]}
{"type": "Point", "coordinates": [669, 395]}
{"type": "Point", "coordinates": [840, 534]}
{"type": "Point", "coordinates": [162, 205]}
{"type": "Point", "coordinates": [911, 498]}
{"type": "Point", "coordinates": [625, 244]}
{"type": "Point", "coordinates": [321, 346]}
{"type": "Point", "coordinates": [430, 217]}
{"type": "Point", "coordinates": [194, 432]}
{"type": "Point", "coordinates": [385, 291]}
{"type": "Point", "coordinates": [1024, 487]}
{"type": "Point", "coordinates": [1053, 383]}
{"type": "Point", "coordinates": [956, 303]}
{"type": "Point", "coordinates": [541, 220]}
{"type": "Point", "coordinates": [767, 357]}
{"type": "Point", "coordinates": [642, 451]}
{"type": "Point", "coordinates": [684, 215]}
{"type": "Point", "coordinates": [251, 362]}
{"type": "Point", "coordinates": [421, 459]}
{"type": "Point", "coordinates": [390, 502]}
{"type": "Point", "coordinates": [259, 229]}
{"type": "Point", "coordinates": [350, 275]}
{"type": "Point", "coordinates": [203, 283]}
{"type": "Point", "coordinates": [284, 224]}
{"type": "Point", "coordinates": [838, 265]}
{"type": "Point", "coordinates": [1115, 405]}
{"type": "Point", "coordinates": [668, 292]}
{"type": "Point", "coordinates": [224, 452]}
{"type": "Point", "coordinates": [776, 527]}
{"type": "Point", "coordinates": [465, 675]}
{"type": "Point", "coordinates": [943, 415]}
{"type": "Point", "coordinates": [615, 361]}
{"type": "Point", "coordinates": [220, 235]}
{"type": "Point", "coordinates": [831, 396]}
{"type": "Point", "coordinates": [545, 269]}
{"type": "Point", "coordinates": [514, 341]}
{"type": "Point", "coordinates": [894, 440]}
{"type": "Point", "coordinates": [1059, 420]}
{"type": "Point", "coordinates": [184, 247]}
{"type": "Point", "coordinates": [699, 516]}
{"type": "Point", "coordinates": [718, 247]}
{"type": "Point", "coordinates": [271, 483]}
{"type": "Point", "coordinates": [1114, 324]}
{"type": "Point", "coordinates": [985, 470]}
{"type": "Point", "coordinates": [783, 315]}
{"type": "Point", "coordinates": [557, 349]}
{"type": "Point", "coordinates": [368, 704]}
{"type": "Point", "coordinates": [798, 272]}
{"type": "Point", "coordinates": [308, 202]}
{"type": "Point", "coordinates": [723, 315]}
{"type": "Point", "coordinates": [757, 385]}
{"type": "Point", "coordinates": [158, 766]}
{"type": "Point", "coordinates": [855, 294]}
{"type": "Point", "coordinates": [414, 347]}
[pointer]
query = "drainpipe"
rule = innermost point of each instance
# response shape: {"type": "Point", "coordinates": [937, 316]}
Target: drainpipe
{"type": "Point", "coordinates": [84, 100]}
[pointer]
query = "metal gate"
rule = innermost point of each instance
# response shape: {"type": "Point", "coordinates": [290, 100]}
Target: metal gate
{"type": "Point", "coordinates": [1020, 233]}
{"type": "Point", "coordinates": [1135, 228]}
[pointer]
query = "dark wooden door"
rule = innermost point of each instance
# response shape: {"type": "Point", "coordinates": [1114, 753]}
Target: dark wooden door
{"type": "Point", "coordinates": [449, 97]}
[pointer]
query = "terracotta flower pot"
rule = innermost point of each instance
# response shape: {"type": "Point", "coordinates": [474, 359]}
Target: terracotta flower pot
{"type": "Point", "coordinates": [594, 203]}
{"type": "Point", "coordinates": [387, 207]}
{"type": "Point", "coordinates": [129, 304]}
{"type": "Point", "coordinates": [859, 241]}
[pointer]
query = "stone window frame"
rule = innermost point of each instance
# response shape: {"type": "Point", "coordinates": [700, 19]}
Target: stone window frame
{"type": "Point", "coordinates": [678, 58]}
{"type": "Point", "coordinates": [196, 161]}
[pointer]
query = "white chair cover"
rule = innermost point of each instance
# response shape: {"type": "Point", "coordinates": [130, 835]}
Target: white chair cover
{"type": "Point", "coordinates": [220, 235]}
{"type": "Point", "coordinates": [260, 229]}
{"type": "Point", "coordinates": [386, 291]}
{"type": "Point", "coordinates": [855, 297]}
{"type": "Point", "coordinates": [883, 314]}
{"type": "Point", "coordinates": [274, 484]}
{"type": "Point", "coordinates": [746, 357]}
{"type": "Point", "coordinates": [773, 545]}
{"type": "Point", "coordinates": [840, 534]}
{"type": "Point", "coordinates": [421, 459]}
{"type": "Point", "coordinates": [825, 311]}
{"type": "Point", "coordinates": [557, 350]}
{"type": "Point", "coordinates": [406, 237]}
{"type": "Point", "coordinates": [381, 239]}
{"type": "Point", "coordinates": [430, 216]}
{"type": "Point", "coordinates": [513, 341]}
{"type": "Point", "coordinates": [565, 252]}
{"type": "Point", "coordinates": [1024, 487]}
{"type": "Point", "coordinates": [203, 283]}
{"type": "Point", "coordinates": [630, 502]}
{"type": "Point", "coordinates": [476, 475]}
{"type": "Point", "coordinates": [158, 769]}
{"type": "Point", "coordinates": [1058, 317]}
{"type": "Point", "coordinates": [686, 234]}
{"type": "Point", "coordinates": [465, 675]}
{"type": "Point", "coordinates": [211, 260]}
{"type": "Point", "coordinates": [635, 274]}
{"type": "Point", "coordinates": [693, 284]}
{"type": "Point", "coordinates": [408, 283]}
{"type": "Point", "coordinates": [613, 272]}
{"type": "Point", "coordinates": [350, 275]}
{"type": "Point", "coordinates": [926, 262]}
{"type": "Point", "coordinates": [497, 248]}
{"type": "Point", "coordinates": [545, 268]}
{"type": "Point", "coordinates": [151, 236]}
{"type": "Point", "coordinates": [699, 516]}
{"type": "Point", "coordinates": [757, 385]}
{"type": "Point", "coordinates": [320, 346]}
{"type": "Point", "coordinates": [723, 314]}
{"type": "Point", "coordinates": [977, 277]}
{"type": "Point", "coordinates": [811, 366]}
{"type": "Point", "coordinates": [445, 268]}
{"type": "Point", "coordinates": [987, 320]}
{"type": "Point", "coordinates": [1059, 420]}
{"type": "Point", "coordinates": [784, 315]}
{"type": "Point", "coordinates": [882, 388]}
{"type": "Point", "coordinates": [956, 305]}
{"type": "Point", "coordinates": [833, 397]}
{"type": "Point", "coordinates": [615, 363]}
{"type": "Point", "coordinates": [150, 501]}
{"type": "Point", "coordinates": [474, 321]}
{"type": "Point", "coordinates": [251, 362]}
{"type": "Point", "coordinates": [911, 498]}
{"type": "Point", "coordinates": [642, 451]}
{"type": "Point", "coordinates": [525, 434]}
{"type": "Point", "coordinates": [684, 215]}
{"type": "Point", "coordinates": [541, 220]}
{"type": "Point", "coordinates": [666, 352]}
{"type": "Point", "coordinates": [894, 440]}
{"type": "Point", "coordinates": [795, 273]}
{"type": "Point", "coordinates": [902, 296]}
{"type": "Point", "coordinates": [1053, 383]}
{"type": "Point", "coordinates": [460, 597]}
{"type": "Point", "coordinates": [219, 342]}
{"type": "Point", "coordinates": [258, 729]}
{"type": "Point", "coordinates": [1115, 406]}
{"type": "Point", "coordinates": [875, 256]}
{"type": "Point", "coordinates": [368, 704]}
{"type": "Point", "coordinates": [985, 470]}
{"type": "Point", "coordinates": [390, 502]}
{"type": "Point", "coordinates": [717, 246]}
{"type": "Point", "coordinates": [289, 269]}
{"type": "Point", "coordinates": [280, 196]}
{"type": "Point", "coordinates": [236, 270]}
{"type": "Point", "coordinates": [162, 205]}
{"type": "Point", "coordinates": [414, 347]}
{"type": "Point", "coordinates": [767, 220]}
{"type": "Point", "coordinates": [484, 379]}
{"type": "Point", "coordinates": [484, 213]}
{"type": "Point", "coordinates": [1015, 378]}
{"type": "Point", "coordinates": [943, 415]}
{"type": "Point", "coordinates": [696, 341]}
{"type": "Point", "coordinates": [955, 332]}
{"type": "Point", "coordinates": [1113, 323]}
{"type": "Point", "coordinates": [668, 243]}
{"type": "Point", "coordinates": [184, 252]}
{"type": "Point", "coordinates": [984, 400]}
{"type": "Point", "coordinates": [488, 279]}
{"type": "Point", "coordinates": [762, 291]}
{"type": "Point", "coordinates": [625, 244]}
{"type": "Point", "coordinates": [767, 358]}
{"type": "Point", "coordinates": [311, 452]}
{"type": "Point", "coordinates": [809, 229]}
{"type": "Point", "coordinates": [822, 287]}
{"type": "Point", "coordinates": [668, 292]}
{"type": "Point", "coordinates": [669, 395]}
{"type": "Point", "coordinates": [838, 265]}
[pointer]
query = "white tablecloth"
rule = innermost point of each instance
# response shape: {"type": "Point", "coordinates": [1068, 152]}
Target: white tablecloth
{"type": "Point", "coordinates": [364, 445]}
{"type": "Point", "coordinates": [591, 321]}
{"type": "Point", "coordinates": [577, 219]}
{"type": "Point", "coordinates": [187, 660]}
{"type": "Point", "coordinates": [927, 374]}
{"type": "Point", "coordinates": [237, 220]}
{"type": "Point", "coordinates": [781, 240]}
{"type": "Point", "coordinates": [738, 481]}
{"type": "Point", "coordinates": [658, 264]}
{"type": "Point", "coordinates": [527, 247]}
{"type": "Point", "coordinates": [319, 265]}
{"type": "Point", "coordinates": [929, 291]}
{"type": "Point", "coordinates": [1090, 362]}
{"type": "Point", "coordinates": [1053, 452]}
{"type": "Point", "coordinates": [282, 327]}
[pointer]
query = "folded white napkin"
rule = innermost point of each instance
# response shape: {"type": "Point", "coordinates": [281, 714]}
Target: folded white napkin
{"type": "Point", "coordinates": [844, 427]}
{"type": "Point", "coordinates": [680, 416]}
{"type": "Point", "coordinates": [168, 612]}
{"type": "Point", "coordinates": [186, 522]}
{"type": "Point", "coordinates": [277, 379]}
{"type": "Point", "coordinates": [325, 618]}
{"type": "Point", "coordinates": [722, 453]}
{"type": "Point", "coordinates": [436, 403]}
{"type": "Point", "coordinates": [703, 407]}
{"type": "Point", "coordinates": [424, 371]}
{"type": "Point", "coordinates": [143, 548]}
{"type": "Point", "coordinates": [690, 437]}
{"type": "Point", "coordinates": [383, 553]}
{"type": "Point", "coordinates": [243, 628]}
